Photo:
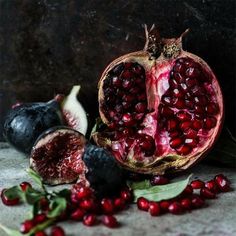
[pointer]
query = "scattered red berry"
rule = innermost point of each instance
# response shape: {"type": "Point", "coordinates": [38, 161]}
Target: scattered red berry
{"type": "Point", "coordinates": [40, 233]}
{"type": "Point", "coordinates": [25, 185]}
{"type": "Point", "coordinates": [197, 201]}
{"type": "Point", "coordinates": [87, 204]}
{"type": "Point", "coordinates": [197, 184]}
{"type": "Point", "coordinates": [43, 204]}
{"type": "Point", "coordinates": [40, 218]}
{"type": "Point", "coordinates": [175, 208]}
{"type": "Point", "coordinates": [159, 180]}
{"type": "Point", "coordinates": [206, 193]}
{"type": "Point", "coordinates": [107, 206]}
{"type": "Point", "coordinates": [89, 220]}
{"type": "Point", "coordinates": [57, 231]}
{"type": "Point", "coordinates": [188, 190]}
{"type": "Point", "coordinates": [126, 194]}
{"type": "Point", "coordinates": [143, 204]}
{"type": "Point", "coordinates": [164, 205]}
{"type": "Point", "coordinates": [77, 215]}
{"type": "Point", "coordinates": [26, 226]}
{"type": "Point", "coordinates": [119, 203]}
{"type": "Point", "coordinates": [186, 203]}
{"type": "Point", "coordinates": [154, 209]}
{"type": "Point", "coordinates": [84, 192]}
{"type": "Point", "coordinates": [110, 221]}
{"type": "Point", "coordinates": [7, 201]}
{"type": "Point", "coordinates": [212, 186]}
{"type": "Point", "coordinates": [222, 182]}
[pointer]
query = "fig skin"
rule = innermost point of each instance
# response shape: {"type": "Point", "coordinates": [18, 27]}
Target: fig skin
{"type": "Point", "coordinates": [24, 123]}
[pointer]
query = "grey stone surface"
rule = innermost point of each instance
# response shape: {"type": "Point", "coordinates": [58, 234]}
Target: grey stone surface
{"type": "Point", "coordinates": [217, 219]}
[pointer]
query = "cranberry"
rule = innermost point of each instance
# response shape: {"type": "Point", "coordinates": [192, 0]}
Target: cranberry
{"type": "Point", "coordinates": [40, 233]}
{"type": "Point", "coordinates": [39, 218]}
{"type": "Point", "coordinates": [154, 209]}
{"type": "Point", "coordinates": [25, 185]}
{"type": "Point", "coordinates": [206, 193]}
{"type": "Point", "coordinates": [197, 184]}
{"type": "Point", "coordinates": [212, 186]}
{"type": "Point", "coordinates": [126, 194]}
{"type": "Point", "coordinates": [87, 204]}
{"type": "Point", "coordinates": [57, 231]}
{"type": "Point", "coordinates": [175, 208]}
{"type": "Point", "coordinates": [186, 203]}
{"type": "Point", "coordinates": [26, 226]}
{"type": "Point", "coordinates": [119, 204]}
{"type": "Point", "coordinates": [89, 220]}
{"type": "Point", "coordinates": [107, 206]}
{"type": "Point", "coordinates": [164, 205]}
{"type": "Point", "coordinates": [77, 215]}
{"type": "Point", "coordinates": [159, 180]}
{"type": "Point", "coordinates": [197, 201]}
{"type": "Point", "coordinates": [84, 192]}
{"type": "Point", "coordinates": [7, 201]}
{"type": "Point", "coordinates": [43, 204]}
{"type": "Point", "coordinates": [110, 221]}
{"type": "Point", "coordinates": [143, 204]}
{"type": "Point", "coordinates": [222, 182]}
{"type": "Point", "coordinates": [188, 190]}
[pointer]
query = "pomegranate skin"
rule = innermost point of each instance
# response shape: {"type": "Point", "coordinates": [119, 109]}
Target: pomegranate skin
{"type": "Point", "coordinates": [179, 114]}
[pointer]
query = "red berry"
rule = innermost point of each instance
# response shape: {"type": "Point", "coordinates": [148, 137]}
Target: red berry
{"type": "Point", "coordinates": [77, 215]}
{"type": "Point", "coordinates": [7, 201]}
{"type": "Point", "coordinates": [84, 192]}
{"type": "Point", "coordinates": [87, 204]}
{"type": "Point", "coordinates": [43, 204]}
{"type": "Point", "coordinates": [197, 184]}
{"type": "Point", "coordinates": [159, 180]}
{"type": "Point", "coordinates": [110, 221]}
{"type": "Point", "coordinates": [57, 231]}
{"type": "Point", "coordinates": [126, 194]}
{"type": "Point", "coordinates": [143, 204]}
{"type": "Point", "coordinates": [188, 190]}
{"type": "Point", "coordinates": [26, 226]}
{"type": "Point", "coordinates": [119, 204]}
{"type": "Point", "coordinates": [154, 209]}
{"type": "Point", "coordinates": [186, 203]}
{"type": "Point", "coordinates": [206, 193]}
{"type": "Point", "coordinates": [25, 185]}
{"type": "Point", "coordinates": [212, 186]}
{"type": "Point", "coordinates": [40, 218]}
{"type": "Point", "coordinates": [222, 182]}
{"type": "Point", "coordinates": [175, 208]}
{"type": "Point", "coordinates": [107, 206]}
{"type": "Point", "coordinates": [89, 220]}
{"type": "Point", "coordinates": [40, 233]}
{"type": "Point", "coordinates": [74, 199]}
{"type": "Point", "coordinates": [164, 205]}
{"type": "Point", "coordinates": [197, 201]}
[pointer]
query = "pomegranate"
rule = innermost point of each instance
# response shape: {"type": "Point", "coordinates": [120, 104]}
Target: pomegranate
{"type": "Point", "coordinates": [110, 221]}
{"type": "Point", "coordinates": [162, 106]}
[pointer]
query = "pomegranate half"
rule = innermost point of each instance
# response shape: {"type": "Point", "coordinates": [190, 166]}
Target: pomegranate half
{"type": "Point", "coordinates": [162, 106]}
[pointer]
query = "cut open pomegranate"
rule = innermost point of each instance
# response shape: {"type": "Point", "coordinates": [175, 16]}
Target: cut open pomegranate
{"type": "Point", "coordinates": [162, 112]}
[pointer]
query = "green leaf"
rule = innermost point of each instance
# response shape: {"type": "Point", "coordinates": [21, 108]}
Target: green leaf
{"type": "Point", "coordinates": [10, 232]}
{"type": "Point", "coordinates": [57, 206]}
{"type": "Point", "coordinates": [139, 185]}
{"type": "Point", "coordinates": [32, 196]}
{"type": "Point", "coordinates": [161, 192]}
{"type": "Point", "coordinates": [14, 192]}
{"type": "Point", "coordinates": [37, 179]}
{"type": "Point", "coordinates": [65, 193]}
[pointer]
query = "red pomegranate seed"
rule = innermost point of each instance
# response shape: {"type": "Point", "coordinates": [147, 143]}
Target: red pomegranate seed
{"type": "Point", "coordinates": [73, 198]}
{"type": "Point", "coordinates": [212, 109]}
{"type": "Point", "coordinates": [126, 194]}
{"type": "Point", "coordinates": [110, 221]}
{"type": "Point", "coordinates": [222, 182]}
{"type": "Point", "coordinates": [166, 111]}
{"type": "Point", "coordinates": [191, 142]}
{"type": "Point", "coordinates": [7, 201]}
{"type": "Point", "coordinates": [210, 122]}
{"type": "Point", "coordinates": [192, 72]}
{"type": "Point", "coordinates": [25, 185]}
{"type": "Point", "coordinates": [40, 233]}
{"type": "Point", "coordinates": [26, 226]}
{"type": "Point", "coordinates": [178, 93]}
{"type": "Point", "coordinates": [190, 133]}
{"type": "Point", "coordinates": [126, 74]}
{"type": "Point", "coordinates": [143, 204]}
{"type": "Point", "coordinates": [119, 204]}
{"type": "Point", "coordinates": [185, 125]}
{"type": "Point", "coordinates": [116, 81]}
{"type": "Point", "coordinates": [186, 203]}
{"type": "Point", "coordinates": [179, 103]}
{"type": "Point", "coordinates": [140, 107]}
{"type": "Point", "coordinates": [197, 184]}
{"type": "Point", "coordinates": [197, 124]}
{"type": "Point", "coordinates": [107, 206]}
{"type": "Point", "coordinates": [206, 193]}
{"type": "Point", "coordinates": [183, 116]}
{"type": "Point", "coordinates": [179, 68]}
{"type": "Point", "coordinates": [172, 124]}
{"type": "Point", "coordinates": [127, 84]}
{"type": "Point", "coordinates": [184, 150]}
{"type": "Point", "coordinates": [159, 180]}
{"type": "Point", "coordinates": [188, 190]}
{"type": "Point", "coordinates": [154, 209]}
{"type": "Point", "coordinates": [39, 218]}
{"type": "Point", "coordinates": [176, 142]}
{"type": "Point", "coordinates": [190, 82]}
{"type": "Point", "coordinates": [84, 192]}
{"type": "Point", "coordinates": [164, 205]}
{"type": "Point", "coordinates": [127, 119]}
{"type": "Point", "coordinates": [89, 220]}
{"type": "Point", "coordinates": [43, 204]}
{"type": "Point", "coordinates": [57, 231]}
{"type": "Point", "coordinates": [174, 134]}
{"type": "Point", "coordinates": [77, 215]}
{"type": "Point", "coordinates": [197, 201]}
{"type": "Point", "coordinates": [175, 208]}
{"type": "Point", "coordinates": [178, 78]}
{"type": "Point", "coordinates": [212, 186]}
{"type": "Point", "coordinates": [87, 204]}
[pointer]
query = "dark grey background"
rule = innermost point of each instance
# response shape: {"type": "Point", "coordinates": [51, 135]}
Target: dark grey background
{"type": "Point", "coordinates": [46, 46]}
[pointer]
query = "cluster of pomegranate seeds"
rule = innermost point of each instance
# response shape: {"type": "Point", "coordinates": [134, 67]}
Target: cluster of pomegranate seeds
{"type": "Point", "coordinates": [188, 108]}
{"type": "Point", "coordinates": [193, 196]}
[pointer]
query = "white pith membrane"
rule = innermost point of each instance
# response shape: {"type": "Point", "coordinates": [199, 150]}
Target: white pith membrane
{"type": "Point", "coordinates": [57, 156]}
{"type": "Point", "coordinates": [73, 112]}
{"type": "Point", "coordinates": [157, 83]}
